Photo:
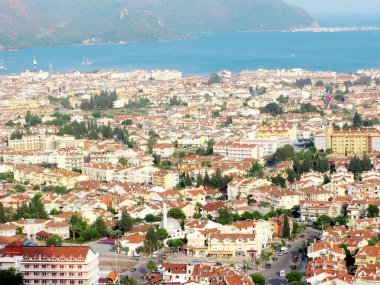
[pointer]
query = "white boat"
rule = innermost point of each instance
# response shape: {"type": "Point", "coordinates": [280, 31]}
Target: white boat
{"type": "Point", "coordinates": [86, 61]}
{"type": "Point", "coordinates": [2, 66]}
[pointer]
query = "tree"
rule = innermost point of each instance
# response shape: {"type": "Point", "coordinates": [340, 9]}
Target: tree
{"type": "Point", "coordinates": [282, 99]}
{"type": "Point", "coordinates": [126, 222]}
{"type": "Point", "coordinates": [340, 220]}
{"type": "Point", "coordinates": [151, 239]}
{"type": "Point", "coordinates": [11, 276]}
{"type": "Point", "coordinates": [284, 153]}
{"type": "Point", "coordinates": [298, 283]}
{"type": "Point", "coordinates": [294, 276]}
{"type": "Point", "coordinates": [214, 78]}
{"type": "Point", "coordinates": [323, 222]}
{"type": "Point", "coordinates": [150, 218]}
{"type": "Point", "coordinates": [151, 266]}
{"type": "Point", "coordinates": [292, 175]}
{"type": "Point", "coordinates": [100, 226]}
{"type": "Point", "coordinates": [199, 179]}
{"type": "Point", "coordinates": [162, 234]}
{"type": "Point", "coordinates": [176, 213]}
{"type": "Point", "coordinates": [127, 122]}
{"type": "Point", "coordinates": [129, 281]}
{"type": "Point", "coordinates": [251, 216]}
{"type": "Point", "coordinates": [258, 279]}
{"type": "Point", "coordinates": [224, 216]}
{"type": "Point", "coordinates": [372, 211]}
{"type": "Point", "coordinates": [272, 108]}
{"type": "Point", "coordinates": [256, 170]}
{"type": "Point", "coordinates": [366, 163]}
{"type": "Point", "coordinates": [3, 218]}
{"type": "Point", "coordinates": [55, 240]}
{"type": "Point", "coordinates": [286, 228]}
{"type": "Point", "coordinates": [279, 181]}
{"type": "Point", "coordinates": [355, 165]}
{"type": "Point", "coordinates": [357, 121]}
{"type": "Point", "coordinates": [175, 243]}
{"type": "Point", "coordinates": [373, 241]}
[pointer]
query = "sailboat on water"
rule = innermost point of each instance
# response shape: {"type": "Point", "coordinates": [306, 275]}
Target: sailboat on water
{"type": "Point", "coordinates": [86, 61]}
{"type": "Point", "coordinates": [2, 66]}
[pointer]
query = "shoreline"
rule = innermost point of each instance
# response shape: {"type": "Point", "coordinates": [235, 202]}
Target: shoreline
{"type": "Point", "coordinates": [310, 29]}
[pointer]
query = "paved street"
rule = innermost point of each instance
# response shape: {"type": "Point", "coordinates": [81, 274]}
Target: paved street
{"type": "Point", "coordinates": [284, 262]}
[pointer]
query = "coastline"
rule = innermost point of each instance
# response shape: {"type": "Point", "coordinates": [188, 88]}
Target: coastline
{"type": "Point", "coordinates": [310, 29]}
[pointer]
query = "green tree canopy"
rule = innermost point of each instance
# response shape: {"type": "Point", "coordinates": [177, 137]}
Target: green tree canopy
{"type": "Point", "coordinates": [372, 211]}
{"type": "Point", "coordinates": [100, 226]}
{"type": "Point", "coordinates": [294, 276]}
{"type": "Point", "coordinates": [55, 240]}
{"type": "Point", "coordinates": [258, 279]}
{"type": "Point", "coordinates": [11, 276]}
{"type": "Point", "coordinates": [151, 265]}
{"type": "Point", "coordinates": [176, 213]}
{"type": "Point", "coordinates": [286, 227]}
{"type": "Point", "coordinates": [126, 222]}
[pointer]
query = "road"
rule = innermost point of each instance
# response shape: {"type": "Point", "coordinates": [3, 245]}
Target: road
{"type": "Point", "coordinates": [284, 262]}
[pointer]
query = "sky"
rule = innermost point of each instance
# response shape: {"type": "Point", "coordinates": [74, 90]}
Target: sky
{"type": "Point", "coordinates": [320, 8]}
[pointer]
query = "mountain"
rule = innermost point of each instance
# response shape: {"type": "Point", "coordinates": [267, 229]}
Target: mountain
{"type": "Point", "coordinates": [25, 23]}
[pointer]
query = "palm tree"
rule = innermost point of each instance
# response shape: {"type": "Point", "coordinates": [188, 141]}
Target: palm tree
{"type": "Point", "coordinates": [74, 230]}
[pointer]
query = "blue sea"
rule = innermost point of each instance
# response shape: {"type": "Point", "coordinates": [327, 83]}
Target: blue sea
{"type": "Point", "coordinates": [207, 53]}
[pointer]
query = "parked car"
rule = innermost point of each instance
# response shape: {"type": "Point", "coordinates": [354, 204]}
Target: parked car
{"type": "Point", "coordinates": [133, 269]}
{"type": "Point", "coordinates": [274, 258]}
{"type": "Point", "coordinates": [282, 273]}
{"type": "Point", "coordinates": [295, 259]}
{"type": "Point", "coordinates": [280, 253]}
{"type": "Point", "coordinates": [268, 265]}
{"type": "Point", "coordinates": [293, 267]}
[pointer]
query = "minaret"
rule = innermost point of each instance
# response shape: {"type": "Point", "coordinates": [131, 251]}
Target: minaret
{"type": "Point", "coordinates": [35, 64]}
{"type": "Point", "coordinates": [164, 214]}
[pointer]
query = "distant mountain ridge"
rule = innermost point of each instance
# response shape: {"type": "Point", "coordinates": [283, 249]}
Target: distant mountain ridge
{"type": "Point", "coordinates": [26, 23]}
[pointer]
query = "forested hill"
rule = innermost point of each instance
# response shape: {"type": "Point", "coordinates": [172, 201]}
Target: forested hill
{"type": "Point", "coordinates": [25, 23]}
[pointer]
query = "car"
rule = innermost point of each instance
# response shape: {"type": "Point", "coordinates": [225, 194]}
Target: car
{"type": "Point", "coordinates": [218, 263]}
{"type": "Point", "coordinates": [280, 253]}
{"type": "Point", "coordinates": [196, 260]}
{"type": "Point", "coordinates": [289, 246]}
{"type": "Point", "coordinates": [274, 258]}
{"type": "Point", "coordinates": [154, 255]}
{"type": "Point", "coordinates": [305, 258]}
{"type": "Point", "coordinates": [282, 273]}
{"type": "Point", "coordinates": [268, 265]}
{"type": "Point", "coordinates": [133, 269]}
{"type": "Point", "coordinates": [293, 267]}
{"type": "Point", "coordinates": [210, 260]}
{"type": "Point", "coordinates": [295, 259]}
{"type": "Point", "coordinates": [302, 236]}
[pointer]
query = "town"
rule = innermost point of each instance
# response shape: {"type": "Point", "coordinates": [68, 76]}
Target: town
{"type": "Point", "coordinates": [153, 177]}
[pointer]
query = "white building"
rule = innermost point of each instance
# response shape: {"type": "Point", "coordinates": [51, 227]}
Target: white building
{"type": "Point", "coordinates": [239, 150]}
{"type": "Point", "coordinates": [70, 265]}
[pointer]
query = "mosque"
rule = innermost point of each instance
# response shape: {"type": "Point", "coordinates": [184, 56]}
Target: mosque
{"type": "Point", "coordinates": [171, 225]}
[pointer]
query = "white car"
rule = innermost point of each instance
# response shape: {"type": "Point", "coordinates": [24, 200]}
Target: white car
{"type": "Point", "coordinates": [282, 273]}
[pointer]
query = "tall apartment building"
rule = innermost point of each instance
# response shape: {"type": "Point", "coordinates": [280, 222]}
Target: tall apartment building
{"type": "Point", "coordinates": [67, 265]}
{"type": "Point", "coordinates": [349, 141]}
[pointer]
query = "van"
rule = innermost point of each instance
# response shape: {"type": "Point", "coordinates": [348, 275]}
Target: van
{"type": "Point", "coordinates": [282, 273]}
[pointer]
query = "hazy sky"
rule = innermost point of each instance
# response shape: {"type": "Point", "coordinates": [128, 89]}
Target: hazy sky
{"type": "Point", "coordinates": [338, 7]}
